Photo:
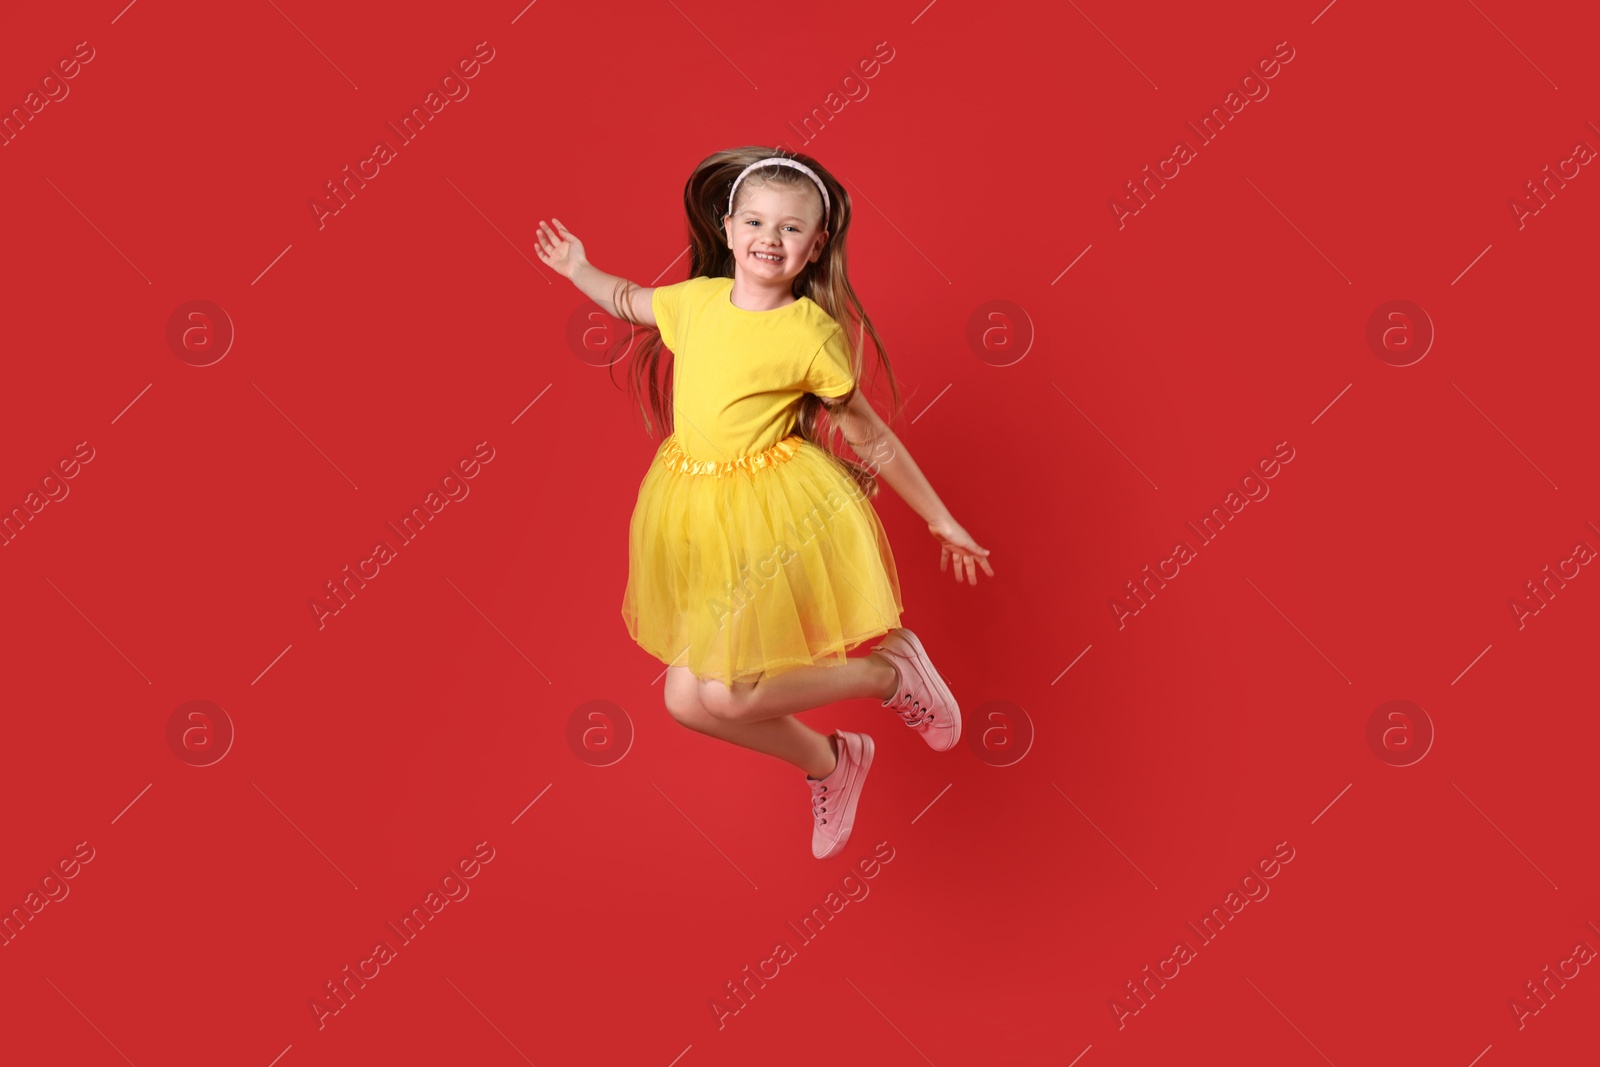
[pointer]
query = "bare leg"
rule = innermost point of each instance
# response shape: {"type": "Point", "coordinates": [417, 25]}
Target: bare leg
{"type": "Point", "coordinates": [785, 737]}
{"type": "Point", "coordinates": [799, 689]}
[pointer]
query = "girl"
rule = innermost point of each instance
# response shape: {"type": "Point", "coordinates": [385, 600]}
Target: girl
{"type": "Point", "coordinates": [755, 559]}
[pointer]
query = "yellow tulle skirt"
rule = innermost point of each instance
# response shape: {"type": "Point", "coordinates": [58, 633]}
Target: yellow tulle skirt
{"type": "Point", "coordinates": [755, 565]}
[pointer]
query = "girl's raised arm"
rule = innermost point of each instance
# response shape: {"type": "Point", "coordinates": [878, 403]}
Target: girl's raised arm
{"type": "Point", "coordinates": [887, 456]}
{"type": "Point", "coordinates": [563, 253]}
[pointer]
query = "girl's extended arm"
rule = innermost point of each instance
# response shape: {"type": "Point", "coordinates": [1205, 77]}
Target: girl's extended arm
{"type": "Point", "coordinates": [563, 252]}
{"type": "Point", "coordinates": [604, 288]}
{"type": "Point", "coordinates": [884, 453]}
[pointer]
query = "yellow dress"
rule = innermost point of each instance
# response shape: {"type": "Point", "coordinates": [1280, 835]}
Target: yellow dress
{"type": "Point", "coordinates": [750, 549]}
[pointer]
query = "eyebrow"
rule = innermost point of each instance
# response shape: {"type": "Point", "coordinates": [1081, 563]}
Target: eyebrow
{"type": "Point", "coordinates": [757, 214]}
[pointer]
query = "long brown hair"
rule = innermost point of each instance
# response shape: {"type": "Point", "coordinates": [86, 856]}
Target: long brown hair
{"type": "Point", "coordinates": [705, 201]}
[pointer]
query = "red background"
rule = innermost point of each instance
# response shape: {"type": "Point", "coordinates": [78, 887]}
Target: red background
{"type": "Point", "coordinates": [372, 353]}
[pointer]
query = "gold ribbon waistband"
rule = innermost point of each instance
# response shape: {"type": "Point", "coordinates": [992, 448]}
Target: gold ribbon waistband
{"type": "Point", "coordinates": [676, 459]}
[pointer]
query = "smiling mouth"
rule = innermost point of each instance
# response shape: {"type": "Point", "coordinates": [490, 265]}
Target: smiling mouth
{"type": "Point", "coordinates": [767, 257]}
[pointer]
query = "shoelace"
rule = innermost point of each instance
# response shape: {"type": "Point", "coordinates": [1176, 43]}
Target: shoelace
{"type": "Point", "coordinates": [912, 712]}
{"type": "Point", "coordinates": [819, 802]}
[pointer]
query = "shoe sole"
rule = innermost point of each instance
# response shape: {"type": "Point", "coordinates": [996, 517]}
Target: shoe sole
{"type": "Point", "coordinates": [848, 808]}
{"type": "Point", "coordinates": [932, 676]}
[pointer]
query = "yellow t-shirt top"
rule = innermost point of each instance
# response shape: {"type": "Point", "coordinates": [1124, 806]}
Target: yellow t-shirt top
{"type": "Point", "coordinates": [738, 375]}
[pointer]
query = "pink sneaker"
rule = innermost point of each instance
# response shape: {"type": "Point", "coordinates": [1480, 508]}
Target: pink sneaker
{"type": "Point", "coordinates": [921, 697]}
{"type": "Point", "coordinates": [833, 799]}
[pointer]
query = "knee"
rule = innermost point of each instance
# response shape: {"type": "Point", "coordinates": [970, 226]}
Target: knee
{"type": "Point", "coordinates": [683, 704]}
{"type": "Point", "coordinates": [720, 702]}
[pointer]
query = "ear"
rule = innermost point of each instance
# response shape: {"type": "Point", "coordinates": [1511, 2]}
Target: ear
{"type": "Point", "coordinates": [822, 243]}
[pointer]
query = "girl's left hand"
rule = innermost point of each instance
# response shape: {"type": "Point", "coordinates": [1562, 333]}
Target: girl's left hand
{"type": "Point", "coordinates": [955, 541]}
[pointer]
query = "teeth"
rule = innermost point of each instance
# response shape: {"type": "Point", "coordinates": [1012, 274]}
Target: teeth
{"type": "Point", "coordinates": [770, 259]}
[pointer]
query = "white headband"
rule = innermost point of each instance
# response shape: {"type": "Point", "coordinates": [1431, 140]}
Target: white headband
{"type": "Point", "coordinates": [782, 162]}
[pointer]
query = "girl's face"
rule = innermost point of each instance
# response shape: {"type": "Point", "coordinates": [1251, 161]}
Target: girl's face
{"type": "Point", "coordinates": [775, 230]}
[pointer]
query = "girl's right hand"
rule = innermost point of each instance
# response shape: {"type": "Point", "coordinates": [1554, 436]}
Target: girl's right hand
{"type": "Point", "coordinates": [561, 252]}
{"type": "Point", "coordinates": [955, 542]}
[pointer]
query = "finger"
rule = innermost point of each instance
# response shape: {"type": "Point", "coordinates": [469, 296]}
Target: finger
{"type": "Point", "coordinates": [944, 557]}
{"type": "Point", "coordinates": [984, 563]}
{"type": "Point", "coordinates": [972, 574]}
